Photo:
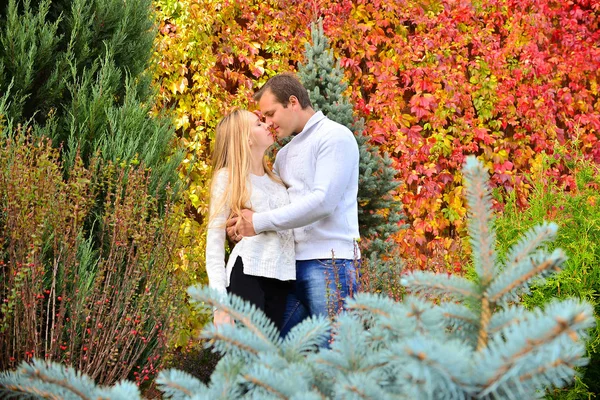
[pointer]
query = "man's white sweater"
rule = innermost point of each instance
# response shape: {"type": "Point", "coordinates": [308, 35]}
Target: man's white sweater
{"type": "Point", "coordinates": [320, 168]}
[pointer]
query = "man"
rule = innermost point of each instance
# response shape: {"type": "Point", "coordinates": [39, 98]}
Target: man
{"type": "Point", "coordinates": [320, 168]}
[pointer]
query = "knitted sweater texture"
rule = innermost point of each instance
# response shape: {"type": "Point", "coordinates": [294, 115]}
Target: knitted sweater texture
{"type": "Point", "coordinates": [319, 166]}
{"type": "Point", "coordinates": [269, 254]}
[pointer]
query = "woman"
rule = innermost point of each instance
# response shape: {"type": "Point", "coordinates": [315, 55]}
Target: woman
{"type": "Point", "coordinates": [261, 267]}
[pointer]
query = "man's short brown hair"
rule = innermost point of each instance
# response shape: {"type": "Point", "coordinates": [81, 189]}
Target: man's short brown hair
{"type": "Point", "coordinates": [283, 86]}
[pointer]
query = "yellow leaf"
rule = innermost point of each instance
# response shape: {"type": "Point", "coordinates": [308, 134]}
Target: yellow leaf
{"type": "Point", "coordinates": [183, 84]}
{"type": "Point", "coordinates": [182, 122]}
{"type": "Point", "coordinates": [195, 200]}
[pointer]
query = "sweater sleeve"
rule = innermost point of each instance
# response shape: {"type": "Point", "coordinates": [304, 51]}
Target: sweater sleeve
{"type": "Point", "coordinates": [337, 158]}
{"type": "Point", "coordinates": [215, 237]}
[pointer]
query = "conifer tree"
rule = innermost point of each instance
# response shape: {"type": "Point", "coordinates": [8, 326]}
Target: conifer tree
{"type": "Point", "coordinates": [475, 342]}
{"type": "Point", "coordinates": [379, 213]}
{"type": "Point", "coordinates": [76, 71]}
{"type": "Point", "coordinates": [101, 226]}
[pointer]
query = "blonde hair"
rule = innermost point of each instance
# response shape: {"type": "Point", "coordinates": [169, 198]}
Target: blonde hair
{"type": "Point", "coordinates": [232, 151]}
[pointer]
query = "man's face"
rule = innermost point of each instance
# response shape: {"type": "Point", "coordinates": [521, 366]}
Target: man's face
{"type": "Point", "coordinates": [280, 118]}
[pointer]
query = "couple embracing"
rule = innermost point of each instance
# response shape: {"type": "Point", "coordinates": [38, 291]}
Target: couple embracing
{"type": "Point", "coordinates": [295, 227]}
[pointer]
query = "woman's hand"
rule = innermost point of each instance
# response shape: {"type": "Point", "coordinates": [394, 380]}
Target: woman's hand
{"type": "Point", "coordinates": [222, 318]}
{"type": "Point", "coordinates": [236, 232]}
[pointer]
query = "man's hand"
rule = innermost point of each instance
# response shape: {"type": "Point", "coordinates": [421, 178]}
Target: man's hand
{"type": "Point", "coordinates": [246, 228]}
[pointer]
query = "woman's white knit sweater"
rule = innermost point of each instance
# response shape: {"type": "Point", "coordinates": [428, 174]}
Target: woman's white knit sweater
{"type": "Point", "coordinates": [269, 254]}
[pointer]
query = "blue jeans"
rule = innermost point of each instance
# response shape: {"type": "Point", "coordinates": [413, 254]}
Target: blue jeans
{"type": "Point", "coordinates": [320, 289]}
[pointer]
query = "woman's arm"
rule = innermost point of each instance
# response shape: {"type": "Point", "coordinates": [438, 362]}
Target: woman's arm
{"type": "Point", "coordinates": [215, 237]}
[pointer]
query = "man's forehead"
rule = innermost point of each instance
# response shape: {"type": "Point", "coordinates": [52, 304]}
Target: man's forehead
{"type": "Point", "coordinates": [268, 102]}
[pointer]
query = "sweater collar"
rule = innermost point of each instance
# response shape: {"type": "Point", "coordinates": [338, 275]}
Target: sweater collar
{"type": "Point", "coordinates": [316, 118]}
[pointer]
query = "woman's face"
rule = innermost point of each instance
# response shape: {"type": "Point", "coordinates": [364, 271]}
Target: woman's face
{"type": "Point", "coordinates": [261, 137]}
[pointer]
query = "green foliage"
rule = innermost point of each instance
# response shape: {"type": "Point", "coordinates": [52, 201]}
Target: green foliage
{"type": "Point", "coordinates": [76, 71]}
{"type": "Point", "coordinates": [105, 299]}
{"type": "Point", "coordinates": [210, 56]}
{"type": "Point", "coordinates": [578, 216]}
{"type": "Point", "coordinates": [434, 81]}
{"type": "Point", "coordinates": [64, 383]}
{"type": "Point", "coordinates": [87, 235]}
{"type": "Point", "coordinates": [380, 214]}
{"type": "Point", "coordinates": [479, 344]}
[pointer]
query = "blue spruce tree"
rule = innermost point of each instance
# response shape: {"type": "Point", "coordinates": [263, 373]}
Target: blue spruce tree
{"type": "Point", "coordinates": [452, 338]}
{"type": "Point", "coordinates": [379, 214]}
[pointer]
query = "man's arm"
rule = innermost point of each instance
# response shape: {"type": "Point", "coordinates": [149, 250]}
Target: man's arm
{"type": "Point", "coordinates": [337, 159]}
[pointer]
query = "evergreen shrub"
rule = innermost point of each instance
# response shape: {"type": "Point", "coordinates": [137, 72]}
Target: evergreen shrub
{"type": "Point", "coordinates": [78, 72]}
{"type": "Point", "coordinates": [380, 213]}
{"type": "Point", "coordinates": [483, 344]}
{"type": "Point", "coordinates": [86, 239]}
{"type": "Point", "coordinates": [577, 213]}
{"type": "Point", "coordinates": [103, 300]}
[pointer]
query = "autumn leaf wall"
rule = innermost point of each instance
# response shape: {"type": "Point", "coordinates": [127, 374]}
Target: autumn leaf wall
{"type": "Point", "coordinates": [435, 81]}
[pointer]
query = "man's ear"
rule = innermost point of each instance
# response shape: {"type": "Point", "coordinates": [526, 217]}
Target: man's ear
{"type": "Point", "coordinates": [294, 100]}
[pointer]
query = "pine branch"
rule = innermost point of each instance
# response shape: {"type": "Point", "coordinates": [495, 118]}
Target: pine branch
{"type": "Point", "coordinates": [459, 314]}
{"type": "Point", "coordinates": [529, 242]}
{"type": "Point", "coordinates": [503, 319]}
{"type": "Point", "coordinates": [330, 363]}
{"type": "Point", "coordinates": [244, 313]}
{"type": "Point", "coordinates": [123, 390]}
{"type": "Point", "coordinates": [51, 380]}
{"type": "Point", "coordinates": [38, 375]}
{"type": "Point", "coordinates": [312, 395]}
{"type": "Point", "coordinates": [371, 305]}
{"type": "Point", "coordinates": [507, 282]}
{"type": "Point", "coordinates": [482, 236]}
{"type": "Point", "coordinates": [34, 392]}
{"type": "Point", "coordinates": [462, 322]}
{"type": "Point", "coordinates": [439, 365]}
{"type": "Point", "coordinates": [484, 321]}
{"type": "Point", "coordinates": [226, 381]}
{"type": "Point", "coordinates": [263, 385]}
{"type": "Point", "coordinates": [220, 336]}
{"type": "Point", "coordinates": [350, 351]}
{"type": "Point", "coordinates": [519, 347]}
{"type": "Point", "coordinates": [353, 387]}
{"type": "Point", "coordinates": [306, 336]}
{"type": "Point", "coordinates": [437, 284]}
{"type": "Point", "coordinates": [273, 375]}
{"type": "Point", "coordinates": [177, 384]}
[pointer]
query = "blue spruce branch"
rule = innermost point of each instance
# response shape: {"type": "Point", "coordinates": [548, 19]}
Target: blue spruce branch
{"type": "Point", "coordinates": [510, 283]}
{"type": "Point", "coordinates": [482, 236]}
{"type": "Point", "coordinates": [179, 385]}
{"type": "Point", "coordinates": [481, 344]}
{"type": "Point", "coordinates": [445, 285]}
